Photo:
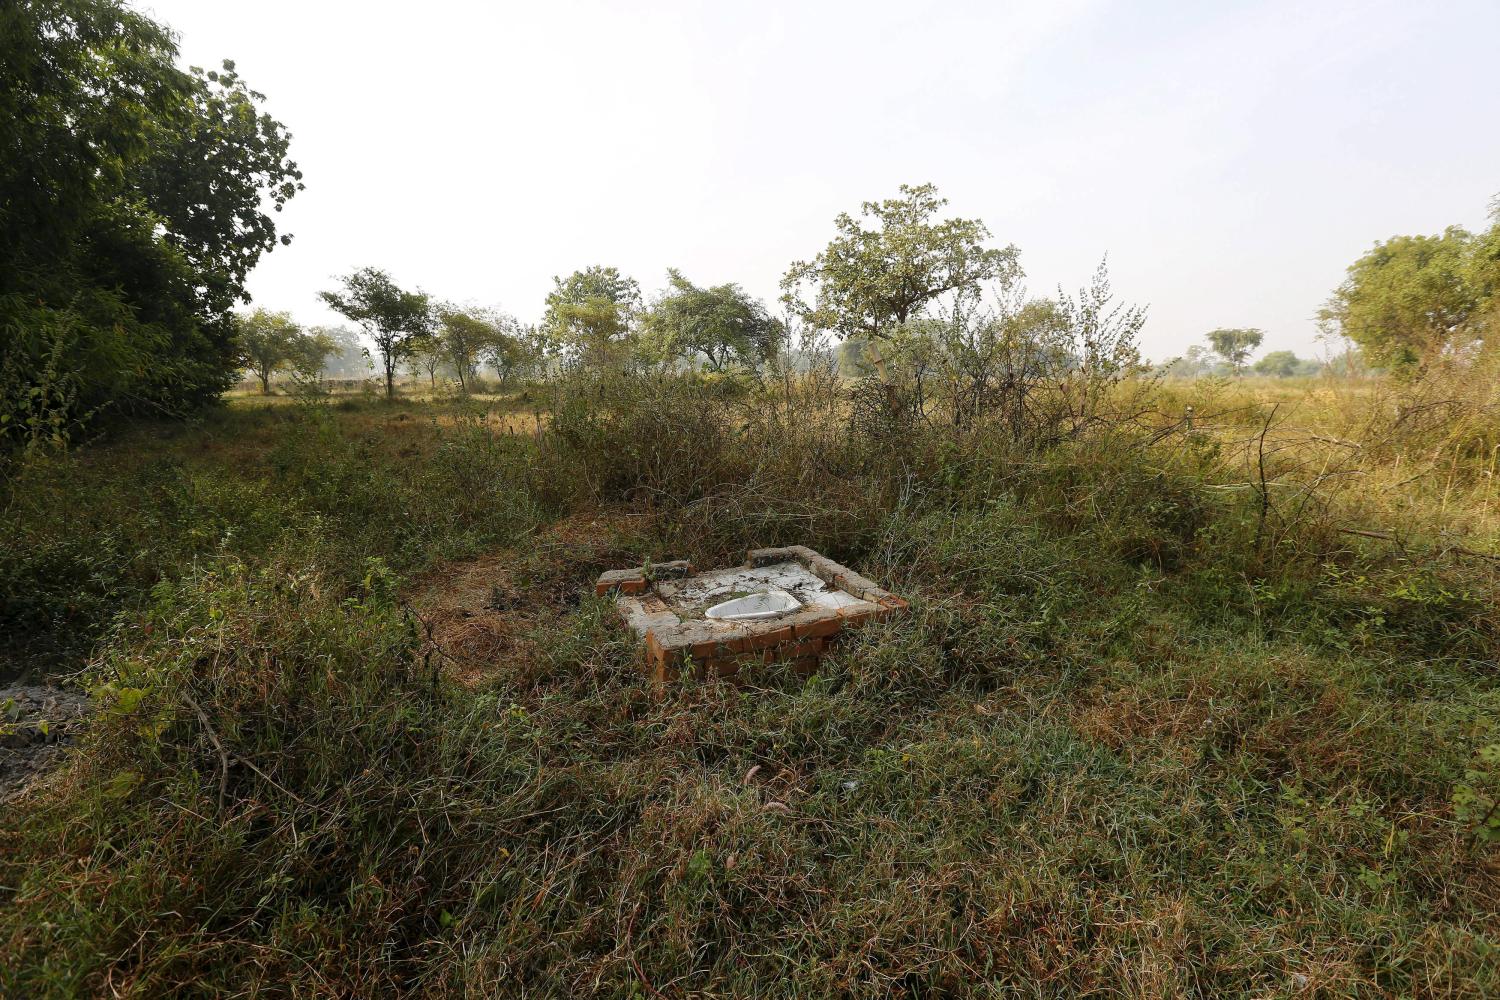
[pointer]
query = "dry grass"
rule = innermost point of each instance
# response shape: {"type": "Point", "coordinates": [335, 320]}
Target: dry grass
{"type": "Point", "coordinates": [1154, 727]}
{"type": "Point", "coordinates": [483, 616]}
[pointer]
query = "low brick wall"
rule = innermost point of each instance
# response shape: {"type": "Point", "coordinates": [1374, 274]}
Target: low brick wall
{"type": "Point", "coordinates": [674, 643]}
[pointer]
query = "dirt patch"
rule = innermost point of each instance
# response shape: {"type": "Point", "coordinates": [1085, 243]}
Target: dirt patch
{"type": "Point", "coordinates": [474, 615]}
{"type": "Point", "coordinates": [37, 723]}
{"type": "Point", "coordinates": [483, 613]}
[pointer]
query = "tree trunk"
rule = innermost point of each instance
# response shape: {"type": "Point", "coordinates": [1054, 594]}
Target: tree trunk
{"type": "Point", "coordinates": [265, 382]}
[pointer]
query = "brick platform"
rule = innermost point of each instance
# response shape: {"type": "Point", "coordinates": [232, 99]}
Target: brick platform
{"type": "Point", "coordinates": [664, 605]}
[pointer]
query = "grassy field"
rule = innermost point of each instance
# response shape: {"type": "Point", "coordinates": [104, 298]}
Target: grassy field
{"type": "Point", "coordinates": [1203, 703]}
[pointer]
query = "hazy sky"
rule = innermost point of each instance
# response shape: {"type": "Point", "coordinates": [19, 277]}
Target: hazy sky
{"type": "Point", "coordinates": [1231, 158]}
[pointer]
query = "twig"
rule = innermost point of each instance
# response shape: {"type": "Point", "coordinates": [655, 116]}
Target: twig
{"type": "Point", "coordinates": [1265, 494]}
{"type": "Point", "coordinates": [630, 945]}
{"type": "Point", "coordinates": [213, 738]}
{"type": "Point", "coordinates": [1388, 536]}
{"type": "Point", "coordinates": [225, 758]}
{"type": "Point", "coordinates": [1332, 440]}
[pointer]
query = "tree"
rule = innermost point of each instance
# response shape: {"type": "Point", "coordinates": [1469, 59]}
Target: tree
{"type": "Point", "coordinates": [425, 354]}
{"type": "Point", "coordinates": [1235, 345]}
{"type": "Point", "coordinates": [522, 351]}
{"type": "Point", "coordinates": [348, 359]}
{"type": "Point", "coordinates": [868, 280]}
{"type": "Point", "coordinates": [394, 319]}
{"type": "Point", "coordinates": [593, 309]}
{"type": "Point", "coordinates": [215, 200]}
{"type": "Point", "coordinates": [512, 355]}
{"type": "Point", "coordinates": [1279, 364]}
{"type": "Point", "coordinates": [468, 334]}
{"type": "Point", "coordinates": [136, 199]}
{"type": "Point", "coordinates": [1411, 298]}
{"type": "Point", "coordinates": [272, 342]}
{"type": "Point", "coordinates": [1193, 363]}
{"type": "Point", "coordinates": [722, 324]}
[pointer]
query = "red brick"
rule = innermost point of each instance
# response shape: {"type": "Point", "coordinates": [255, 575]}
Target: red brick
{"type": "Point", "coordinates": [773, 637]}
{"type": "Point", "coordinates": [663, 660]}
{"type": "Point", "coordinates": [858, 614]}
{"type": "Point", "coordinates": [633, 587]}
{"type": "Point", "coordinates": [734, 644]}
{"type": "Point", "coordinates": [806, 665]}
{"type": "Point", "coordinates": [614, 579]}
{"type": "Point", "coordinates": [818, 628]}
{"type": "Point", "coordinates": [807, 647]}
{"type": "Point", "coordinates": [721, 666]}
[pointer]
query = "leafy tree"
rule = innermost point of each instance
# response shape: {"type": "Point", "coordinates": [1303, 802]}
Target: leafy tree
{"type": "Point", "coordinates": [523, 351]}
{"type": "Point", "coordinates": [136, 199]}
{"type": "Point", "coordinates": [511, 356]}
{"type": "Point", "coordinates": [596, 282]}
{"type": "Point", "coordinates": [723, 324]}
{"type": "Point", "coordinates": [1411, 298]}
{"type": "Point", "coordinates": [1235, 345]}
{"type": "Point", "coordinates": [1194, 363]}
{"type": "Point", "coordinates": [425, 354]}
{"type": "Point", "coordinates": [593, 310]}
{"type": "Point", "coordinates": [1279, 364]}
{"type": "Point", "coordinates": [869, 280]}
{"type": "Point", "coordinates": [468, 335]}
{"type": "Point", "coordinates": [348, 359]}
{"type": "Point", "coordinates": [215, 201]}
{"type": "Point", "coordinates": [271, 342]}
{"type": "Point", "coordinates": [391, 317]}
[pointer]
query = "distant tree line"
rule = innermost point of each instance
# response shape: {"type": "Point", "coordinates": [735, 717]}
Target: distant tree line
{"type": "Point", "coordinates": [1410, 302]}
{"type": "Point", "coordinates": [594, 316]}
{"type": "Point", "coordinates": [1228, 353]}
{"type": "Point", "coordinates": [135, 197]}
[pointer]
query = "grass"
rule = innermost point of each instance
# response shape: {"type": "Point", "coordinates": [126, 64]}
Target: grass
{"type": "Point", "coordinates": [1157, 725]}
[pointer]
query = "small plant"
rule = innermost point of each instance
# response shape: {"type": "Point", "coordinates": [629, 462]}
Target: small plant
{"type": "Point", "coordinates": [1476, 799]}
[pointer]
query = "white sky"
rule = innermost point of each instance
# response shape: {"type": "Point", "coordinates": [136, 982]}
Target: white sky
{"type": "Point", "coordinates": [1232, 158]}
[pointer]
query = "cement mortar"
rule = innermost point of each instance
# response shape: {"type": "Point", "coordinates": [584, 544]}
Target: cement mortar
{"type": "Point", "coordinates": [692, 596]}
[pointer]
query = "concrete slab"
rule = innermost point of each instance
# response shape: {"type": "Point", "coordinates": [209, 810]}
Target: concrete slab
{"type": "Point", "coordinates": [666, 610]}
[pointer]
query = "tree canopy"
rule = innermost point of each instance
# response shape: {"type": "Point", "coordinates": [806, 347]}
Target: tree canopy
{"type": "Point", "coordinates": [723, 324]}
{"type": "Point", "coordinates": [1235, 345]}
{"type": "Point", "coordinates": [272, 342]}
{"type": "Point", "coordinates": [869, 279]}
{"type": "Point", "coordinates": [348, 359]}
{"type": "Point", "coordinates": [1281, 364]}
{"type": "Point", "coordinates": [1411, 299]}
{"type": "Point", "coordinates": [519, 351]}
{"type": "Point", "coordinates": [395, 319]}
{"type": "Point", "coordinates": [469, 335]}
{"type": "Point", "coordinates": [593, 310]}
{"type": "Point", "coordinates": [136, 198]}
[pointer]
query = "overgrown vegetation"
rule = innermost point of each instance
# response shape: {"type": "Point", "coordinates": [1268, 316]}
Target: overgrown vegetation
{"type": "Point", "coordinates": [1158, 723]}
{"type": "Point", "coordinates": [137, 198]}
{"type": "Point", "coordinates": [1197, 695]}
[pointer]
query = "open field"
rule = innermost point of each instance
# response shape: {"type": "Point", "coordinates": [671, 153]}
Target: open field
{"type": "Point", "coordinates": [1092, 640]}
{"type": "Point", "coordinates": [1159, 722]}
